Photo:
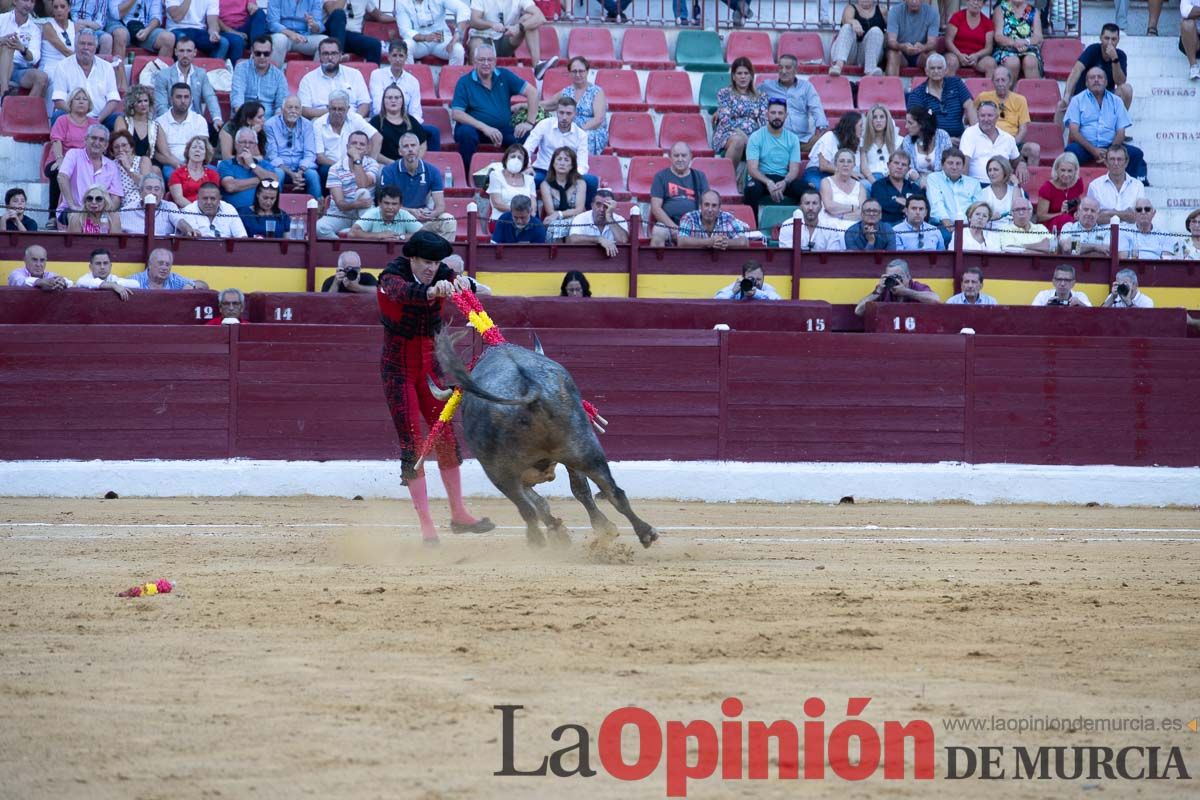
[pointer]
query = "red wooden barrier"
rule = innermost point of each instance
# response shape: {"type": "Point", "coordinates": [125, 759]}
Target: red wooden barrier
{"type": "Point", "coordinates": [1025, 320]}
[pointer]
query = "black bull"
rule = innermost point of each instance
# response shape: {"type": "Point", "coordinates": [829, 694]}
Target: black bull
{"type": "Point", "coordinates": [521, 415]}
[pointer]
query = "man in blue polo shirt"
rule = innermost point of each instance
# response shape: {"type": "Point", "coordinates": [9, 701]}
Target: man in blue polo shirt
{"type": "Point", "coordinates": [947, 98]}
{"type": "Point", "coordinates": [519, 225]}
{"type": "Point", "coordinates": [421, 188]}
{"type": "Point", "coordinates": [1096, 120]}
{"type": "Point", "coordinates": [482, 105]}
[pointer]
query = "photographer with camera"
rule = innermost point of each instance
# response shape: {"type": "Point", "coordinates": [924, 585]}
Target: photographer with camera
{"type": "Point", "coordinates": [897, 286]}
{"type": "Point", "coordinates": [1064, 292]}
{"type": "Point", "coordinates": [1125, 292]}
{"type": "Point", "coordinates": [751, 286]}
{"type": "Point", "coordinates": [350, 277]}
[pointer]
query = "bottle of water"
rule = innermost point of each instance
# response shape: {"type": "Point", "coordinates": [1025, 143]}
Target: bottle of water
{"type": "Point", "coordinates": [299, 225]}
{"type": "Point", "coordinates": [448, 178]}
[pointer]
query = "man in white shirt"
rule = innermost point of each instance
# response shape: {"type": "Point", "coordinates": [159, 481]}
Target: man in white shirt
{"type": "Point", "coordinates": [1064, 292]}
{"type": "Point", "coordinates": [422, 24]}
{"type": "Point", "coordinates": [100, 275]}
{"type": "Point", "coordinates": [84, 71]}
{"type": "Point", "coordinates": [210, 217]}
{"type": "Point", "coordinates": [1143, 241]}
{"type": "Point", "coordinates": [344, 22]}
{"type": "Point", "coordinates": [1117, 191]}
{"type": "Point", "coordinates": [603, 226]}
{"type": "Point", "coordinates": [394, 74]}
{"type": "Point", "coordinates": [333, 130]}
{"type": "Point", "coordinates": [21, 50]}
{"type": "Point", "coordinates": [1086, 235]}
{"type": "Point", "coordinates": [972, 290]}
{"type": "Point", "coordinates": [553, 133]}
{"type": "Point", "coordinates": [507, 23]}
{"type": "Point", "coordinates": [983, 140]}
{"type": "Point", "coordinates": [811, 235]}
{"type": "Point", "coordinates": [331, 76]}
{"type": "Point", "coordinates": [1125, 293]}
{"type": "Point", "coordinates": [179, 125]}
{"type": "Point", "coordinates": [133, 220]}
{"type": "Point", "coordinates": [198, 20]}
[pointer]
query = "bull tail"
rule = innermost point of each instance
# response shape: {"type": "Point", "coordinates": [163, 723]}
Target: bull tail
{"type": "Point", "coordinates": [454, 368]}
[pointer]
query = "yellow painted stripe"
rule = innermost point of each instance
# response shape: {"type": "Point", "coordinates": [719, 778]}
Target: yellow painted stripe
{"type": "Point", "coordinates": [544, 284]}
{"type": "Point", "coordinates": [248, 279]}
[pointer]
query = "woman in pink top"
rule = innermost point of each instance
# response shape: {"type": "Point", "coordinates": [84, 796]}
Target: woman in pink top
{"type": "Point", "coordinates": [67, 133]}
{"type": "Point", "coordinates": [969, 40]}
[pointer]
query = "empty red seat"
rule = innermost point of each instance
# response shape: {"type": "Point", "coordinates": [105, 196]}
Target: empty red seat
{"type": "Point", "coordinates": [594, 44]}
{"type": "Point", "coordinates": [881, 89]}
{"type": "Point", "coordinates": [974, 85]}
{"type": "Point", "coordinates": [622, 89]}
{"type": "Point", "coordinates": [631, 134]}
{"type": "Point", "coordinates": [1058, 56]}
{"type": "Point", "coordinates": [294, 71]}
{"type": "Point", "coordinates": [448, 78]}
{"type": "Point", "coordinates": [554, 82]}
{"type": "Point", "coordinates": [642, 171]}
{"type": "Point", "coordinates": [439, 117]}
{"type": "Point", "coordinates": [754, 45]}
{"type": "Point", "coordinates": [607, 170]}
{"type": "Point", "coordinates": [721, 178]}
{"type": "Point", "coordinates": [457, 208]}
{"type": "Point", "coordinates": [383, 31]}
{"type": "Point", "coordinates": [1038, 176]}
{"type": "Point", "coordinates": [743, 212]}
{"type": "Point", "coordinates": [806, 47]}
{"type": "Point", "coordinates": [479, 169]}
{"type": "Point", "coordinates": [646, 48]}
{"type": "Point", "coordinates": [210, 64]}
{"type": "Point", "coordinates": [365, 68]}
{"type": "Point", "coordinates": [670, 91]}
{"type": "Point", "coordinates": [1049, 136]}
{"type": "Point", "coordinates": [834, 93]}
{"type": "Point", "coordinates": [687, 128]}
{"type": "Point", "coordinates": [524, 72]}
{"type": "Point", "coordinates": [459, 187]}
{"type": "Point", "coordinates": [295, 205]}
{"type": "Point", "coordinates": [1042, 95]}
{"type": "Point", "coordinates": [424, 76]}
{"type": "Point", "coordinates": [24, 118]}
{"type": "Point", "coordinates": [547, 38]}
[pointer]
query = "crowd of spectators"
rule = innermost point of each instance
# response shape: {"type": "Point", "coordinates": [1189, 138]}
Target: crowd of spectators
{"type": "Point", "coordinates": [358, 144]}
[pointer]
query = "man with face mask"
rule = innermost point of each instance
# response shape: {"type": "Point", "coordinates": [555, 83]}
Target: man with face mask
{"type": "Point", "coordinates": [411, 293]}
{"type": "Point", "coordinates": [100, 276]}
{"type": "Point", "coordinates": [773, 160]}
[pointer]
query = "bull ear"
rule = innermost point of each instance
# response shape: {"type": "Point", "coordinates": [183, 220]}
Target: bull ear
{"type": "Point", "coordinates": [440, 394]}
{"type": "Point", "coordinates": [537, 345]}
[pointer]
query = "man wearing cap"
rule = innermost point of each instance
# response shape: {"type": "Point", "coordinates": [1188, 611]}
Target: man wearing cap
{"type": "Point", "coordinates": [410, 295]}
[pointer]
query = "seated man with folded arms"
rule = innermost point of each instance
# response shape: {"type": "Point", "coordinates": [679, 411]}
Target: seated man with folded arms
{"type": "Point", "coordinates": [159, 274]}
{"type": "Point", "coordinates": [871, 233]}
{"type": "Point", "coordinates": [710, 227]}
{"type": "Point", "coordinates": [33, 273]}
{"type": "Point", "coordinates": [210, 217]}
{"type": "Point", "coordinates": [1022, 234]}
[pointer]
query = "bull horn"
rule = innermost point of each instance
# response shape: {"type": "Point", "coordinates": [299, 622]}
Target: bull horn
{"type": "Point", "coordinates": [537, 345]}
{"type": "Point", "coordinates": [440, 394]}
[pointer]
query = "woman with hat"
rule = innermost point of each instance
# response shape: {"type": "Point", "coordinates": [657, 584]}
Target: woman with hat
{"type": "Point", "coordinates": [411, 291]}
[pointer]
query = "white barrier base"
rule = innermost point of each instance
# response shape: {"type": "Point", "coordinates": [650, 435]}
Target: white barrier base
{"type": "Point", "coordinates": [710, 481]}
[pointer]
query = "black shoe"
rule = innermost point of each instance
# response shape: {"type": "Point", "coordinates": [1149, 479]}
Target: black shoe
{"type": "Point", "coordinates": [482, 526]}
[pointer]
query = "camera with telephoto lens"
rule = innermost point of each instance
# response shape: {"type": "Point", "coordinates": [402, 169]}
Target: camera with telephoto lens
{"type": "Point", "coordinates": [1123, 289]}
{"type": "Point", "coordinates": [890, 281]}
{"type": "Point", "coordinates": [350, 273]}
{"type": "Point", "coordinates": [747, 285]}
{"type": "Point", "coordinates": [1057, 301]}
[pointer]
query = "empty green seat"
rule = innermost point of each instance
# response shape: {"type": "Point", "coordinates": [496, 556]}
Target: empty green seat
{"type": "Point", "coordinates": [770, 216]}
{"type": "Point", "coordinates": [710, 84]}
{"type": "Point", "coordinates": [700, 51]}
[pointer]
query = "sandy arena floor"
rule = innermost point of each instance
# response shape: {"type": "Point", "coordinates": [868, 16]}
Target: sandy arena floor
{"type": "Point", "coordinates": [314, 649]}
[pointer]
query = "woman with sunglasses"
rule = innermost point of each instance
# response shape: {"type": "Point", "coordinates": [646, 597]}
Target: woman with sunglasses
{"type": "Point", "coordinates": [186, 181]}
{"type": "Point", "coordinates": [392, 122]}
{"type": "Point", "coordinates": [264, 219]}
{"type": "Point", "coordinates": [58, 35]}
{"type": "Point", "coordinates": [879, 142]}
{"type": "Point", "coordinates": [96, 216]}
{"type": "Point", "coordinates": [68, 132]}
{"type": "Point", "coordinates": [132, 168]}
{"type": "Point", "coordinates": [139, 120]}
{"type": "Point", "coordinates": [250, 114]}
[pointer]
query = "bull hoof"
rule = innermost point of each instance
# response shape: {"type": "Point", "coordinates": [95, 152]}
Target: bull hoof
{"type": "Point", "coordinates": [648, 537]}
